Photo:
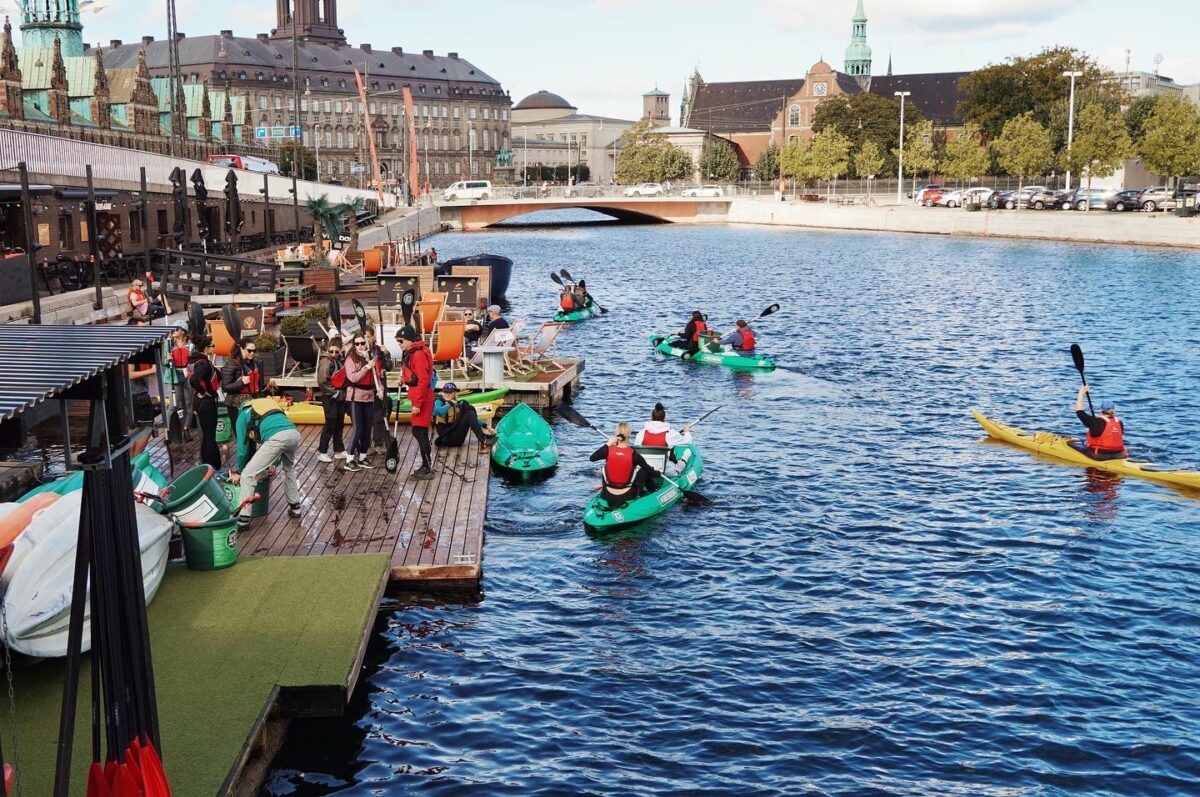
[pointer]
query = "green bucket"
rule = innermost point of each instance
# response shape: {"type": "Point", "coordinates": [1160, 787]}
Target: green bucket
{"type": "Point", "coordinates": [211, 545]}
{"type": "Point", "coordinates": [233, 492]}
{"type": "Point", "coordinates": [224, 425]}
{"type": "Point", "coordinates": [196, 497]}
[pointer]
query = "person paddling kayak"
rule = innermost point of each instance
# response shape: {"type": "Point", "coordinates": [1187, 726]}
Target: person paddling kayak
{"type": "Point", "coordinates": [1105, 437]}
{"type": "Point", "coordinates": [693, 334]}
{"type": "Point", "coordinates": [583, 299]}
{"type": "Point", "coordinates": [741, 339]}
{"type": "Point", "coordinates": [626, 473]}
{"type": "Point", "coordinates": [566, 301]}
{"type": "Point", "coordinates": [657, 433]}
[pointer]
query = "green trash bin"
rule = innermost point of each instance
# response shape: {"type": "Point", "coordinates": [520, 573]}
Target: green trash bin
{"type": "Point", "coordinates": [224, 424]}
{"type": "Point", "coordinates": [257, 509]}
{"type": "Point", "coordinates": [211, 545]}
{"type": "Point", "coordinates": [196, 497]}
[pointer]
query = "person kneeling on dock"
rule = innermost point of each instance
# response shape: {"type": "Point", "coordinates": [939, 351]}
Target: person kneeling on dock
{"type": "Point", "coordinates": [741, 339]}
{"type": "Point", "coordinates": [1105, 437]}
{"type": "Point", "coordinates": [627, 475]}
{"type": "Point", "coordinates": [265, 436]}
{"type": "Point", "coordinates": [453, 418]}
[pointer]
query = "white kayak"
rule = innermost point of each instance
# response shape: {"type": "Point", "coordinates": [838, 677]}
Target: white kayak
{"type": "Point", "coordinates": [37, 597]}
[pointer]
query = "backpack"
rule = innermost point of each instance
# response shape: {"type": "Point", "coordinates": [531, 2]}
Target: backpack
{"type": "Point", "coordinates": [258, 411]}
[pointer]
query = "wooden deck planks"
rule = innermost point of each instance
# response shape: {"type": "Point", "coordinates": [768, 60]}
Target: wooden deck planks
{"type": "Point", "coordinates": [433, 530]}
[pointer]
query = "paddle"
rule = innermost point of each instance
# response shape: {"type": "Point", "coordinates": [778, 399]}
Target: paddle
{"type": "Point", "coordinates": [195, 320]}
{"type": "Point", "coordinates": [335, 314]}
{"type": "Point", "coordinates": [574, 417]}
{"type": "Point", "coordinates": [407, 300]}
{"type": "Point", "coordinates": [696, 423]}
{"type": "Point", "coordinates": [566, 275]}
{"type": "Point", "coordinates": [1077, 356]}
{"type": "Point", "coordinates": [229, 317]}
{"type": "Point", "coordinates": [360, 313]}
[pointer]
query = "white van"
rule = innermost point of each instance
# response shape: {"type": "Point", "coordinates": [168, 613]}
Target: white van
{"type": "Point", "coordinates": [468, 189]}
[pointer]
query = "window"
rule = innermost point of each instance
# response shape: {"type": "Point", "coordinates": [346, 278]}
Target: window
{"type": "Point", "coordinates": [456, 142]}
{"type": "Point", "coordinates": [135, 227]}
{"type": "Point", "coordinates": [583, 140]}
{"type": "Point", "coordinates": [794, 116]}
{"type": "Point", "coordinates": [371, 108]}
{"type": "Point", "coordinates": [262, 102]}
{"type": "Point", "coordinates": [474, 168]}
{"type": "Point", "coordinates": [303, 104]}
{"type": "Point", "coordinates": [471, 113]}
{"type": "Point", "coordinates": [328, 105]}
{"type": "Point", "coordinates": [485, 112]}
{"type": "Point", "coordinates": [445, 141]}
{"type": "Point", "coordinates": [422, 89]}
{"type": "Point", "coordinates": [328, 139]}
{"type": "Point", "coordinates": [279, 103]}
{"type": "Point", "coordinates": [471, 138]}
{"type": "Point", "coordinates": [437, 89]}
{"type": "Point", "coordinates": [445, 112]}
{"type": "Point", "coordinates": [456, 111]}
{"type": "Point", "coordinates": [337, 107]}
{"type": "Point", "coordinates": [504, 114]}
{"type": "Point", "coordinates": [342, 83]}
{"type": "Point", "coordinates": [340, 139]}
{"type": "Point", "coordinates": [325, 82]}
{"type": "Point", "coordinates": [424, 110]}
{"type": "Point", "coordinates": [485, 138]}
{"type": "Point", "coordinates": [291, 103]}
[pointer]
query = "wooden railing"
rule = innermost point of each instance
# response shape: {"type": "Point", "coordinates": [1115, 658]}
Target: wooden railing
{"type": "Point", "coordinates": [186, 274]}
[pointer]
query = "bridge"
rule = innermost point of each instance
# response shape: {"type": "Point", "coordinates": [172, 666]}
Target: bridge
{"type": "Point", "coordinates": [653, 210]}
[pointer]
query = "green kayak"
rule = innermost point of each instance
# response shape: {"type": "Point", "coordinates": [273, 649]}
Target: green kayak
{"type": "Point", "coordinates": [597, 515]}
{"type": "Point", "coordinates": [525, 443]}
{"type": "Point", "coordinates": [729, 359]}
{"type": "Point", "coordinates": [471, 398]}
{"type": "Point", "coordinates": [578, 315]}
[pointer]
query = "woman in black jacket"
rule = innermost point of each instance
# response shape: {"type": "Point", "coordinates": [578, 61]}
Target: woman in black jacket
{"type": "Point", "coordinates": [242, 377]}
{"type": "Point", "coordinates": [204, 382]}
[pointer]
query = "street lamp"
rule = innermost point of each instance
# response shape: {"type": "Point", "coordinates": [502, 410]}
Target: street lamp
{"type": "Point", "coordinates": [900, 172]}
{"type": "Point", "coordinates": [317, 142]}
{"type": "Point", "coordinates": [1071, 122]}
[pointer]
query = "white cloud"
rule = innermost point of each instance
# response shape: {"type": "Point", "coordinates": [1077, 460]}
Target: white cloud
{"type": "Point", "coordinates": [925, 19]}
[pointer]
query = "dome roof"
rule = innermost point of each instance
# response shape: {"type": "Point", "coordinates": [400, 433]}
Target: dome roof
{"type": "Point", "coordinates": [542, 101]}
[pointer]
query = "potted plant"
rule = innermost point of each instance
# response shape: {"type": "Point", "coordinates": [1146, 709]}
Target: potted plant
{"type": "Point", "coordinates": [316, 319]}
{"type": "Point", "coordinates": [270, 353]}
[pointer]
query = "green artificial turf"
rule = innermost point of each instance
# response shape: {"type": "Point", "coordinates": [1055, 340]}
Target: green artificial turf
{"type": "Point", "coordinates": [221, 640]}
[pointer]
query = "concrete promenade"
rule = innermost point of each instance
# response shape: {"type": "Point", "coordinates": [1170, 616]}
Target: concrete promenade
{"type": "Point", "coordinates": [1097, 227]}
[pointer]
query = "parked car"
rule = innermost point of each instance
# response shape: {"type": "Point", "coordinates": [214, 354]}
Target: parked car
{"type": "Point", "coordinates": [1091, 198]}
{"type": "Point", "coordinates": [703, 190]}
{"type": "Point", "coordinates": [919, 192]}
{"type": "Point", "coordinates": [964, 196]}
{"type": "Point", "coordinates": [526, 191]}
{"type": "Point", "coordinates": [583, 189]}
{"type": "Point", "coordinates": [1125, 200]}
{"type": "Point", "coordinates": [928, 195]}
{"type": "Point", "coordinates": [644, 189]}
{"type": "Point", "coordinates": [1019, 199]}
{"type": "Point", "coordinates": [1049, 200]}
{"type": "Point", "coordinates": [1153, 199]}
{"type": "Point", "coordinates": [468, 189]}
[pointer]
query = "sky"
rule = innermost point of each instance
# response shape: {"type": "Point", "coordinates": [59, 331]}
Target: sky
{"type": "Point", "coordinates": [602, 55]}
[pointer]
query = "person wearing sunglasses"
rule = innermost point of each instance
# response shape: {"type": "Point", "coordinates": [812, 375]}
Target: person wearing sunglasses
{"type": "Point", "coordinates": [416, 369]}
{"type": "Point", "coordinates": [333, 402]}
{"type": "Point", "coordinates": [204, 382]}
{"type": "Point", "coordinates": [362, 389]}
{"type": "Point", "coordinates": [242, 376]}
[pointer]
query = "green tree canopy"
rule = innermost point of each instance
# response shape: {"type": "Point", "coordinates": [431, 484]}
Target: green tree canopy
{"type": "Point", "coordinates": [766, 167]}
{"type": "Point", "coordinates": [1033, 84]}
{"type": "Point", "coordinates": [1137, 113]}
{"type": "Point", "coordinates": [869, 160]}
{"type": "Point", "coordinates": [966, 156]}
{"type": "Point", "coordinates": [308, 161]}
{"type": "Point", "coordinates": [1101, 143]}
{"type": "Point", "coordinates": [796, 161]}
{"type": "Point", "coordinates": [920, 153]}
{"type": "Point", "coordinates": [674, 164]}
{"type": "Point", "coordinates": [646, 156]}
{"type": "Point", "coordinates": [1170, 144]}
{"type": "Point", "coordinates": [829, 155]}
{"type": "Point", "coordinates": [1023, 147]}
{"type": "Point", "coordinates": [718, 161]}
{"type": "Point", "coordinates": [866, 117]}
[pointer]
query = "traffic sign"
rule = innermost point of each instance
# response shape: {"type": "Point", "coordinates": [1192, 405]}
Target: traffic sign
{"type": "Point", "coordinates": [357, 168]}
{"type": "Point", "coordinates": [277, 131]}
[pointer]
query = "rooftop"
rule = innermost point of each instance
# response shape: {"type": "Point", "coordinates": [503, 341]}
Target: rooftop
{"type": "Point", "coordinates": [542, 101]}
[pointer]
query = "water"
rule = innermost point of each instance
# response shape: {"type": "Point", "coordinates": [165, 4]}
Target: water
{"type": "Point", "coordinates": [878, 602]}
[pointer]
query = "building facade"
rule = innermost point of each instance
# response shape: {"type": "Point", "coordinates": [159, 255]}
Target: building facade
{"type": "Point", "coordinates": [550, 131]}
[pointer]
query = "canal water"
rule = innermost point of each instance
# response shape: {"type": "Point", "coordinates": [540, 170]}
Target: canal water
{"type": "Point", "coordinates": [878, 601]}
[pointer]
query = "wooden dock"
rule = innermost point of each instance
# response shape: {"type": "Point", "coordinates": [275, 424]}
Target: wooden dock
{"type": "Point", "coordinates": [432, 530]}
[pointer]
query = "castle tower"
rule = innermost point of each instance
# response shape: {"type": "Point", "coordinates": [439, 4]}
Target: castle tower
{"type": "Point", "coordinates": [11, 104]}
{"type": "Point", "coordinates": [656, 107]}
{"type": "Point", "coordinates": [43, 21]}
{"type": "Point", "coordinates": [314, 20]}
{"type": "Point", "coordinates": [858, 53]}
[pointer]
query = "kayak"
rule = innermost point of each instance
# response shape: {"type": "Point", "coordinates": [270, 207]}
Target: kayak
{"type": "Point", "coordinates": [1059, 447]}
{"type": "Point", "coordinates": [482, 397]}
{"type": "Point", "coordinates": [312, 412]}
{"type": "Point", "coordinates": [729, 359]}
{"type": "Point", "coordinates": [597, 515]}
{"type": "Point", "coordinates": [525, 443]}
{"type": "Point", "coordinates": [578, 315]}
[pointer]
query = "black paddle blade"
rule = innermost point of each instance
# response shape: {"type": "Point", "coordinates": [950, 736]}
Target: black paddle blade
{"type": "Point", "coordinates": [556, 278]}
{"type": "Point", "coordinates": [407, 300]}
{"type": "Point", "coordinates": [566, 275]}
{"type": "Point", "coordinates": [360, 313]}
{"type": "Point", "coordinates": [1077, 356]}
{"type": "Point", "coordinates": [769, 311]}
{"type": "Point", "coordinates": [696, 499]}
{"type": "Point", "coordinates": [335, 313]}
{"type": "Point", "coordinates": [391, 462]}
{"type": "Point", "coordinates": [567, 412]}
{"type": "Point", "coordinates": [195, 319]}
{"type": "Point", "coordinates": [229, 317]}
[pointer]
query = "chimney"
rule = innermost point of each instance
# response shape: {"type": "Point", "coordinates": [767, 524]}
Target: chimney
{"type": "Point", "coordinates": [262, 37]}
{"type": "Point", "coordinates": [114, 43]}
{"type": "Point", "coordinates": [398, 50]}
{"type": "Point", "coordinates": [366, 48]}
{"type": "Point", "coordinates": [428, 53]}
{"type": "Point", "coordinates": [180, 36]}
{"type": "Point", "coordinates": [227, 34]}
{"type": "Point", "coordinates": [147, 39]}
{"type": "Point", "coordinates": [453, 55]}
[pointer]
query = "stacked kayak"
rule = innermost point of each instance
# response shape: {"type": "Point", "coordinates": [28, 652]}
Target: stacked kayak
{"type": "Point", "coordinates": [525, 443]}
{"type": "Point", "coordinates": [598, 516]}
{"type": "Point", "coordinates": [578, 315]}
{"type": "Point", "coordinates": [729, 359]}
{"type": "Point", "coordinates": [1060, 447]}
{"type": "Point", "coordinates": [312, 412]}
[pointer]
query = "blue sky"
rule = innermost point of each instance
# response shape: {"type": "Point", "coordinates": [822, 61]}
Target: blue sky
{"type": "Point", "coordinates": [602, 54]}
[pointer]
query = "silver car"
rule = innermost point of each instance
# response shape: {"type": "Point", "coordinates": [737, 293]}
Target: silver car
{"type": "Point", "coordinates": [644, 189]}
{"type": "Point", "coordinates": [703, 190]}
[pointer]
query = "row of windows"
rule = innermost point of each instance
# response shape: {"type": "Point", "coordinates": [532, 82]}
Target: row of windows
{"type": "Point", "coordinates": [393, 109]}
{"type": "Point", "coordinates": [342, 83]}
{"type": "Point", "coordinates": [425, 166]}
{"type": "Point", "coordinates": [579, 138]}
{"type": "Point", "coordinates": [392, 139]}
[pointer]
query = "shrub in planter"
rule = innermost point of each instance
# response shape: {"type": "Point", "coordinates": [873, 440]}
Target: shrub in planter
{"type": "Point", "coordinates": [318, 312]}
{"type": "Point", "coordinates": [292, 326]}
{"type": "Point", "coordinates": [270, 353]}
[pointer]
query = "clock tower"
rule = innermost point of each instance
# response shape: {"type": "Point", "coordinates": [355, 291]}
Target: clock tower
{"type": "Point", "coordinates": [858, 53]}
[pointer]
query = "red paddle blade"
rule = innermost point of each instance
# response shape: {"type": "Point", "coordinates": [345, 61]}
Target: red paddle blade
{"type": "Point", "coordinates": [97, 785]}
{"type": "Point", "coordinates": [125, 783]}
{"type": "Point", "coordinates": [153, 774]}
{"type": "Point", "coordinates": [8, 778]}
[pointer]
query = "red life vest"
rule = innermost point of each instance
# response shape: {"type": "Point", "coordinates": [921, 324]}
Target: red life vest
{"type": "Point", "coordinates": [657, 439]}
{"type": "Point", "coordinates": [179, 356]}
{"type": "Point", "coordinates": [255, 383]}
{"type": "Point", "coordinates": [567, 302]}
{"type": "Point", "coordinates": [701, 328]}
{"type": "Point", "coordinates": [618, 468]}
{"type": "Point", "coordinates": [214, 381]}
{"type": "Point", "coordinates": [1111, 440]}
{"type": "Point", "coordinates": [747, 339]}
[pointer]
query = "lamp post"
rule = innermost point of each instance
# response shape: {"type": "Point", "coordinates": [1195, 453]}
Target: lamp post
{"type": "Point", "coordinates": [317, 143]}
{"type": "Point", "coordinates": [1071, 122]}
{"type": "Point", "coordinates": [525, 145]}
{"type": "Point", "coordinates": [900, 171]}
{"type": "Point", "coordinates": [470, 153]}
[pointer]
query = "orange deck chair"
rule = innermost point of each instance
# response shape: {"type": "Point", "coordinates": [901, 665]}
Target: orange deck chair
{"type": "Point", "coordinates": [430, 310]}
{"type": "Point", "coordinates": [450, 345]}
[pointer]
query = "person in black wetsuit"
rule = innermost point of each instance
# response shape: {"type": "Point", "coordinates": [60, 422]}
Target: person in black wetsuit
{"type": "Point", "coordinates": [1105, 437]}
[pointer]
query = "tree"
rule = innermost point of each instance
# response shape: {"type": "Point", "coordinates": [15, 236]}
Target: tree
{"type": "Point", "coordinates": [1138, 112]}
{"type": "Point", "coordinates": [1033, 84]}
{"type": "Point", "coordinates": [674, 164]}
{"type": "Point", "coordinates": [868, 161]}
{"type": "Point", "coordinates": [966, 156]}
{"type": "Point", "coordinates": [1101, 143]}
{"type": "Point", "coordinates": [766, 167]}
{"type": "Point", "coordinates": [308, 161]}
{"type": "Point", "coordinates": [829, 155]}
{"type": "Point", "coordinates": [334, 218]}
{"type": "Point", "coordinates": [866, 117]}
{"type": "Point", "coordinates": [796, 162]}
{"type": "Point", "coordinates": [1023, 147]}
{"type": "Point", "coordinates": [1170, 144]}
{"type": "Point", "coordinates": [920, 155]}
{"type": "Point", "coordinates": [718, 161]}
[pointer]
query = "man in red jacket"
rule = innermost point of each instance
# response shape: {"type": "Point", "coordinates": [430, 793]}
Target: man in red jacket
{"type": "Point", "coordinates": [416, 372]}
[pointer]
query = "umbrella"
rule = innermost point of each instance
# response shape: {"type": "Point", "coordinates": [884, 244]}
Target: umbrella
{"type": "Point", "coordinates": [233, 208]}
{"type": "Point", "coordinates": [200, 191]}
{"type": "Point", "coordinates": [179, 198]}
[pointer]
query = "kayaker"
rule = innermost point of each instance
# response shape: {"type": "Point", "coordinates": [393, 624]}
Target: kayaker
{"type": "Point", "coordinates": [362, 390]}
{"type": "Point", "coordinates": [582, 297]}
{"type": "Point", "coordinates": [693, 334]}
{"type": "Point", "coordinates": [265, 437]}
{"type": "Point", "coordinates": [657, 433]}
{"type": "Point", "coordinates": [453, 418]}
{"type": "Point", "coordinates": [566, 301]}
{"type": "Point", "coordinates": [626, 473]}
{"type": "Point", "coordinates": [333, 401]}
{"type": "Point", "coordinates": [205, 381]}
{"type": "Point", "coordinates": [242, 376]}
{"type": "Point", "coordinates": [741, 339]}
{"type": "Point", "coordinates": [180, 358]}
{"type": "Point", "coordinates": [416, 373]}
{"type": "Point", "coordinates": [1105, 437]}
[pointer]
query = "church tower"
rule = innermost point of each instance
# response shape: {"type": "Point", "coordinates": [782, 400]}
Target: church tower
{"type": "Point", "coordinates": [314, 21]}
{"type": "Point", "coordinates": [43, 21]}
{"type": "Point", "coordinates": [858, 53]}
{"type": "Point", "coordinates": [656, 107]}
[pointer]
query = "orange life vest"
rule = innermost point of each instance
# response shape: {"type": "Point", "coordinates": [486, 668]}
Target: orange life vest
{"type": "Point", "coordinates": [618, 467]}
{"type": "Point", "coordinates": [1111, 440]}
{"type": "Point", "coordinates": [701, 328]}
{"type": "Point", "coordinates": [657, 439]}
{"type": "Point", "coordinates": [567, 302]}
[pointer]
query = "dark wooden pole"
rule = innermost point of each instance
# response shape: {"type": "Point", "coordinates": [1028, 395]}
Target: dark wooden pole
{"type": "Point", "coordinates": [266, 189]}
{"type": "Point", "coordinates": [93, 244]}
{"type": "Point", "coordinates": [144, 219]}
{"type": "Point", "coordinates": [27, 213]}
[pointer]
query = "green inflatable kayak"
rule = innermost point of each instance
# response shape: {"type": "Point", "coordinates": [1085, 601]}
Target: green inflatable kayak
{"type": "Point", "coordinates": [471, 398]}
{"type": "Point", "coordinates": [525, 443]}
{"type": "Point", "coordinates": [729, 359]}
{"type": "Point", "coordinates": [578, 315]}
{"type": "Point", "coordinates": [597, 515]}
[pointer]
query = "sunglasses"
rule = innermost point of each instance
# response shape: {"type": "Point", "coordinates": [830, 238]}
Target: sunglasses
{"type": "Point", "coordinates": [251, 351]}
{"type": "Point", "coordinates": [360, 343]}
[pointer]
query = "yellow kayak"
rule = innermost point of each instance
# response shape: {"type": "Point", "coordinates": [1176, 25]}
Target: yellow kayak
{"type": "Point", "coordinates": [1057, 446]}
{"type": "Point", "coordinates": [311, 412]}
